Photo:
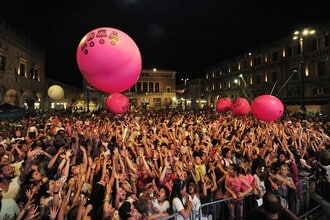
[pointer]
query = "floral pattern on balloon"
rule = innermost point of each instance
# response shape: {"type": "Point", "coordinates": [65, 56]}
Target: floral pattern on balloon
{"type": "Point", "coordinates": [223, 105]}
{"type": "Point", "coordinates": [240, 107]}
{"type": "Point", "coordinates": [109, 59]}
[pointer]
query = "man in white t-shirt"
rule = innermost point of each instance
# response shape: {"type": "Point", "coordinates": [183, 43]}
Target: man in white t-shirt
{"type": "Point", "coordinates": [9, 182]}
{"type": "Point", "coordinates": [8, 208]}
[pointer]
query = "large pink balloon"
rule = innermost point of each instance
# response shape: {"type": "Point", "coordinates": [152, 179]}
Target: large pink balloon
{"type": "Point", "coordinates": [223, 104]}
{"type": "Point", "coordinates": [267, 108]}
{"type": "Point", "coordinates": [240, 107]}
{"type": "Point", "coordinates": [109, 59]}
{"type": "Point", "coordinates": [117, 103]}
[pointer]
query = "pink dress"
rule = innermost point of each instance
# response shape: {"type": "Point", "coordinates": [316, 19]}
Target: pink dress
{"type": "Point", "coordinates": [249, 179]}
{"type": "Point", "coordinates": [235, 185]}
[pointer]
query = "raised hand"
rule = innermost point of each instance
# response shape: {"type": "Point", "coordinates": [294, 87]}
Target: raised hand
{"type": "Point", "coordinates": [53, 212]}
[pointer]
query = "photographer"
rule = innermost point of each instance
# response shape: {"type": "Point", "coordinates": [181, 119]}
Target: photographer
{"type": "Point", "coordinates": [319, 200]}
{"type": "Point", "coordinates": [320, 168]}
{"type": "Point", "coordinates": [272, 208]}
{"type": "Point", "coordinates": [325, 162]}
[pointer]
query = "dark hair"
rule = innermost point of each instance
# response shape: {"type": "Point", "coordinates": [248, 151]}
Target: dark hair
{"type": "Point", "coordinates": [29, 176]}
{"type": "Point", "coordinates": [325, 157]}
{"type": "Point", "coordinates": [263, 172]}
{"type": "Point", "coordinates": [124, 210]}
{"type": "Point", "coordinates": [224, 151]}
{"type": "Point", "coordinates": [236, 168]}
{"type": "Point", "coordinates": [208, 174]}
{"type": "Point", "coordinates": [214, 142]}
{"type": "Point", "coordinates": [167, 191]}
{"type": "Point", "coordinates": [272, 202]}
{"type": "Point", "coordinates": [141, 206]}
{"type": "Point", "coordinates": [43, 191]}
{"type": "Point", "coordinates": [177, 186]}
{"type": "Point", "coordinates": [190, 181]}
{"type": "Point", "coordinates": [72, 214]}
{"type": "Point", "coordinates": [197, 154]}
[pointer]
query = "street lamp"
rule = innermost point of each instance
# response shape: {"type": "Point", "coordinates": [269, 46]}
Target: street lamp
{"type": "Point", "coordinates": [185, 81]}
{"type": "Point", "coordinates": [185, 93]}
{"type": "Point", "coordinates": [236, 81]}
{"type": "Point", "coordinates": [301, 35]}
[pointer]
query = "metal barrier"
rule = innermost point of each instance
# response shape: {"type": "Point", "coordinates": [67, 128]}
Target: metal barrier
{"type": "Point", "coordinates": [217, 208]}
{"type": "Point", "coordinates": [303, 203]}
{"type": "Point", "coordinates": [172, 216]}
{"type": "Point", "coordinates": [308, 208]}
{"type": "Point", "coordinates": [302, 207]}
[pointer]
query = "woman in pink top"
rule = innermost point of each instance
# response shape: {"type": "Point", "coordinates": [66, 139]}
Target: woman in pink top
{"type": "Point", "coordinates": [234, 189]}
{"type": "Point", "coordinates": [250, 199]}
{"type": "Point", "coordinates": [245, 174]}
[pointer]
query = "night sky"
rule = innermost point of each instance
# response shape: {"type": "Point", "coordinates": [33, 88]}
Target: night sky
{"type": "Point", "coordinates": [187, 36]}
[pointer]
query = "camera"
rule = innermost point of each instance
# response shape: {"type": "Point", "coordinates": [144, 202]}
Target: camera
{"type": "Point", "coordinates": [322, 160]}
{"type": "Point", "coordinates": [319, 172]}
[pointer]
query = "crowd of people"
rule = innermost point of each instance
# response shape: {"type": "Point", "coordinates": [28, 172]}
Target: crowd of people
{"type": "Point", "coordinates": [151, 164]}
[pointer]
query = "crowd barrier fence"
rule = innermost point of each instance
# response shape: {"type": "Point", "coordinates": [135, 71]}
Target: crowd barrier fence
{"type": "Point", "coordinates": [302, 206]}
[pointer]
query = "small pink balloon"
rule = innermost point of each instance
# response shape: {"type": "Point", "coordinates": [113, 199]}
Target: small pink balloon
{"type": "Point", "coordinates": [223, 104]}
{"type": "Point", "coordinates": [240, 107]}
{"type": "Point", "coordinates": [117, 103]}
{"type": "Point", "coordinates": [109, 59]}
{"type": "Point", "coordinates": [267, 108]}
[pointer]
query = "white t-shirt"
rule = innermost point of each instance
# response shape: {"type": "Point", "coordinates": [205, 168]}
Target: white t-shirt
{"type": "Point", "coordinates": [160, 208]}
{"type": "Point", "coordinates": [177, 206]}
{"type": "Point", "coordinates": [196, 204]}
{"type": "Point", "coordinates": [13, 190]}
{"type": "Point", "coordinates": [9, 209]}
{"type": "Point", "coordinates": [262, 186]}
{"type": "Point", "coordinates": [16, 139]}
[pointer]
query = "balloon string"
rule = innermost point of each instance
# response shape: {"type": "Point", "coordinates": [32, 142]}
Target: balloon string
{"type": "Point", "coordinates": [245, 88]}
{"type": "Point", "coordinates": [286, 82]}
{"type": "Point", "coordinates": [271, 92]}
{"type": "Point", "coordinates": [246, 95]}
